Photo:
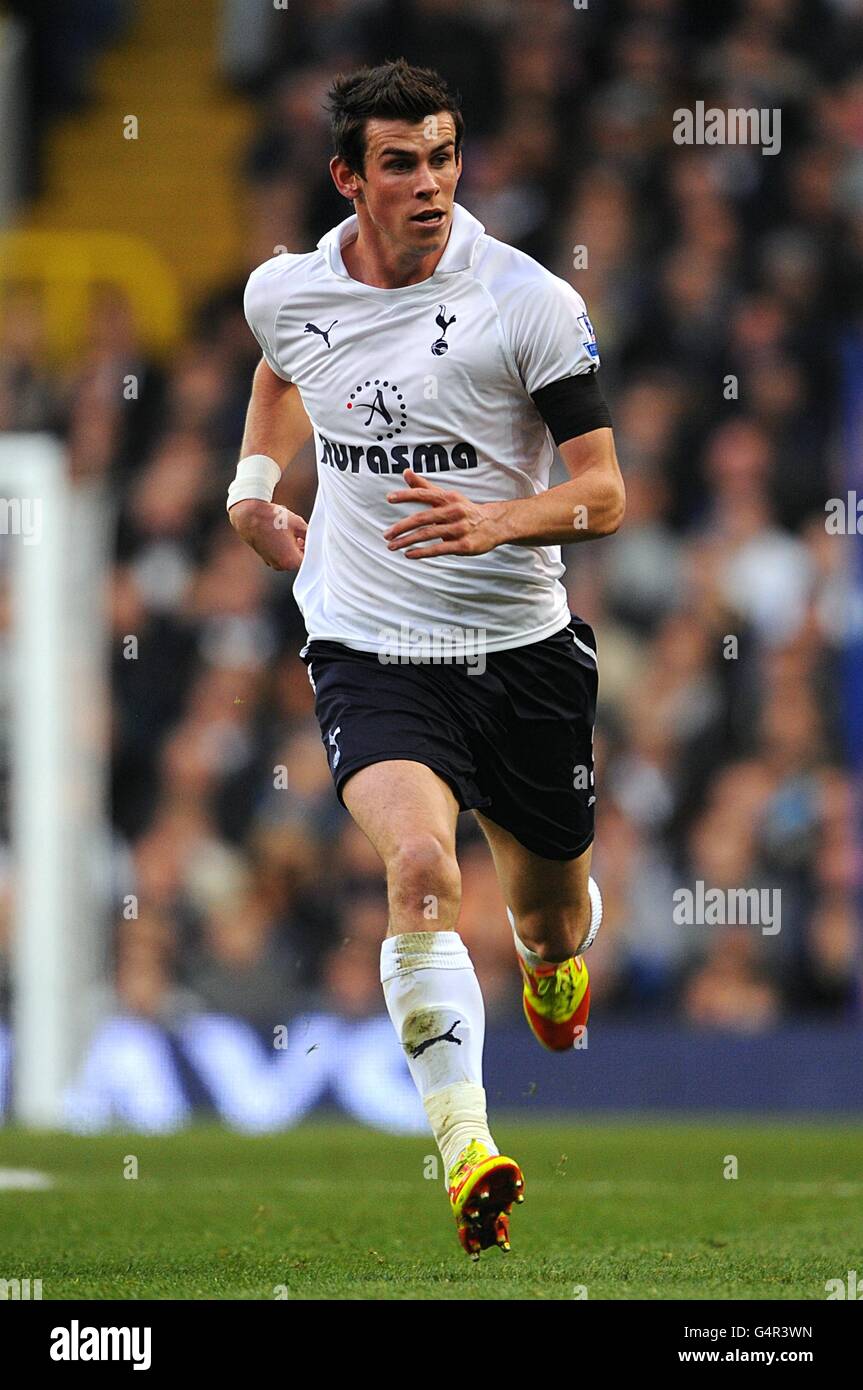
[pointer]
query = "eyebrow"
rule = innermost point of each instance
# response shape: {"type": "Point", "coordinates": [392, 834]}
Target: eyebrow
{"type": "Point", "coordinates": [408, 154]}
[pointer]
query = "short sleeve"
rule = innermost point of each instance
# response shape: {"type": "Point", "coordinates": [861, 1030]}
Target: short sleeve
{"type": "Point", "coordinates": [550, 334]}
{"type": "Point", "coordinates": [261, 305]}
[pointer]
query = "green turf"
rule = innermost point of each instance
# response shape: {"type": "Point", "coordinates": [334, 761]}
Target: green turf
{"type": "Point", "coordinates": [628, 1210]}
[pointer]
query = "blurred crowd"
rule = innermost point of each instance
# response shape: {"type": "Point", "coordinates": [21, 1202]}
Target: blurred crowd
{"type": "Point", "coordinates": [721, 282]}
{"type": "Point", "coordinates": [62, 41]}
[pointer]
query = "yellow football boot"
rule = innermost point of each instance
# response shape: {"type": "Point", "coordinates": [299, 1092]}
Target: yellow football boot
{"type": "Point", "coordinates": [556, 1002]}
{"type": "Point", "coordinates": [482, 1187]}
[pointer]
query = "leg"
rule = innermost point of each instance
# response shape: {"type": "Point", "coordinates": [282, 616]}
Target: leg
{"type": "Point", "coordinates": [548, 898]}
{"type": "Point", "coordinates": [409, 814]}
{"type": "Point", "coordinates": [555, 913]}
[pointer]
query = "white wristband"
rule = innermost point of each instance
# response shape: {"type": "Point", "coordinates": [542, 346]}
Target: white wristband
{"type": "Point", "coordinates": [256, 477]}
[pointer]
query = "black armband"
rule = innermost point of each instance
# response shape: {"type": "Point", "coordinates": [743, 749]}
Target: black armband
{"type": "Point", "coordinates": [572, 406]}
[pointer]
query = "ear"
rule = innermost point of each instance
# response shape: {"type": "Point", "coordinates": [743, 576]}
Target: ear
{"type": "Point", "coordinates": [347, 181]}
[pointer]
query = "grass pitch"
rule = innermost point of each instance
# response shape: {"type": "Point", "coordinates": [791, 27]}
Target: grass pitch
{"type": "Point", "coordinates": [331, 1211]}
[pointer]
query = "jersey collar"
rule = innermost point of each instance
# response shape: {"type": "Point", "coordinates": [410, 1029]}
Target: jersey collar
{"type": "Point", "coordinates": [464, 234]}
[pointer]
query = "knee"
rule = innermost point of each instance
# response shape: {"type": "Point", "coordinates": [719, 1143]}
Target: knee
{"type": "Point", "coordinates": [422, 867]}
{"type": "Point", "coordinates": [555, 931]}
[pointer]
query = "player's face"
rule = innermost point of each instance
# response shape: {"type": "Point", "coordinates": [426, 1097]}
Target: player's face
{"type": "Point", "coordinates": [411, 173]}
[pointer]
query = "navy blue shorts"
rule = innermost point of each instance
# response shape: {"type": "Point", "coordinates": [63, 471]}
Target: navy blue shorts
{"type": "Point", "coordinates": [514, 741]}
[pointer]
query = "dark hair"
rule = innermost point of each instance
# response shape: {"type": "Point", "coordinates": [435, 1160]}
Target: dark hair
{"type": "Point", "coordinates": [393, 91]}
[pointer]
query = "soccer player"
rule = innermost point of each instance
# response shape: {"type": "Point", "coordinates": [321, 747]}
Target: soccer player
{"type": "Point", "coordinates": [435, 365]}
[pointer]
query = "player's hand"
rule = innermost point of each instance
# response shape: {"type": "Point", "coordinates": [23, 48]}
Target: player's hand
{"type": "Point", "coordinates": [277, 535]}
{"type": "Point", "coordinates": [456, 525]}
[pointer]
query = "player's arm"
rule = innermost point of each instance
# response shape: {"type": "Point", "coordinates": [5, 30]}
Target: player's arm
{"type": "Point", "coordinates": [590, 505]}
{"type": "Point", "coordinates": [277, 427]}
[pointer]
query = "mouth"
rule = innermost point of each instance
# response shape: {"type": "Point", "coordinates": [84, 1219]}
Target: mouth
{"type": "Point", "coordinates": [432, 217]}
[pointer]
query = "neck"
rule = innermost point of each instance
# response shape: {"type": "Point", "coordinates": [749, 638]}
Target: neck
{"type": "Point", "coordinates": [374, 261]}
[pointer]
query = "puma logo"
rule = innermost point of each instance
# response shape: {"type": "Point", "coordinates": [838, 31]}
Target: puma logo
{"type": "Point", "coordinates": [442, 1037]}
{"type": "Point", "coordinates": [322, 332]}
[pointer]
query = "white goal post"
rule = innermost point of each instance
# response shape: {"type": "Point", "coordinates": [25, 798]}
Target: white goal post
{"type": "Point", "coordinates": [55, 541]}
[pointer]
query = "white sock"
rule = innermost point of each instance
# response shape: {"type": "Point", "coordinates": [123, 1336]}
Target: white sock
{"type": "Point", "coordinates": [531, 958]}
{"type": "Point", "coordinates": [595, 914]}
{"type": "Point", "coordinates": [434, 1000]}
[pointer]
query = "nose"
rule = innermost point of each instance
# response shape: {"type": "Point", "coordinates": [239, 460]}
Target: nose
{"type": "Point", "coordinates": [427, 184]}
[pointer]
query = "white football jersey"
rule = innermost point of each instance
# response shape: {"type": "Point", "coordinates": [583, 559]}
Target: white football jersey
{"type": "Point", "coordinates": [436, 377]}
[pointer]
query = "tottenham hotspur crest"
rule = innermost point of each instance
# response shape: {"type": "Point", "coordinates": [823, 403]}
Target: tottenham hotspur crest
{"type": "Point", "coordinates": [440, 345]}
